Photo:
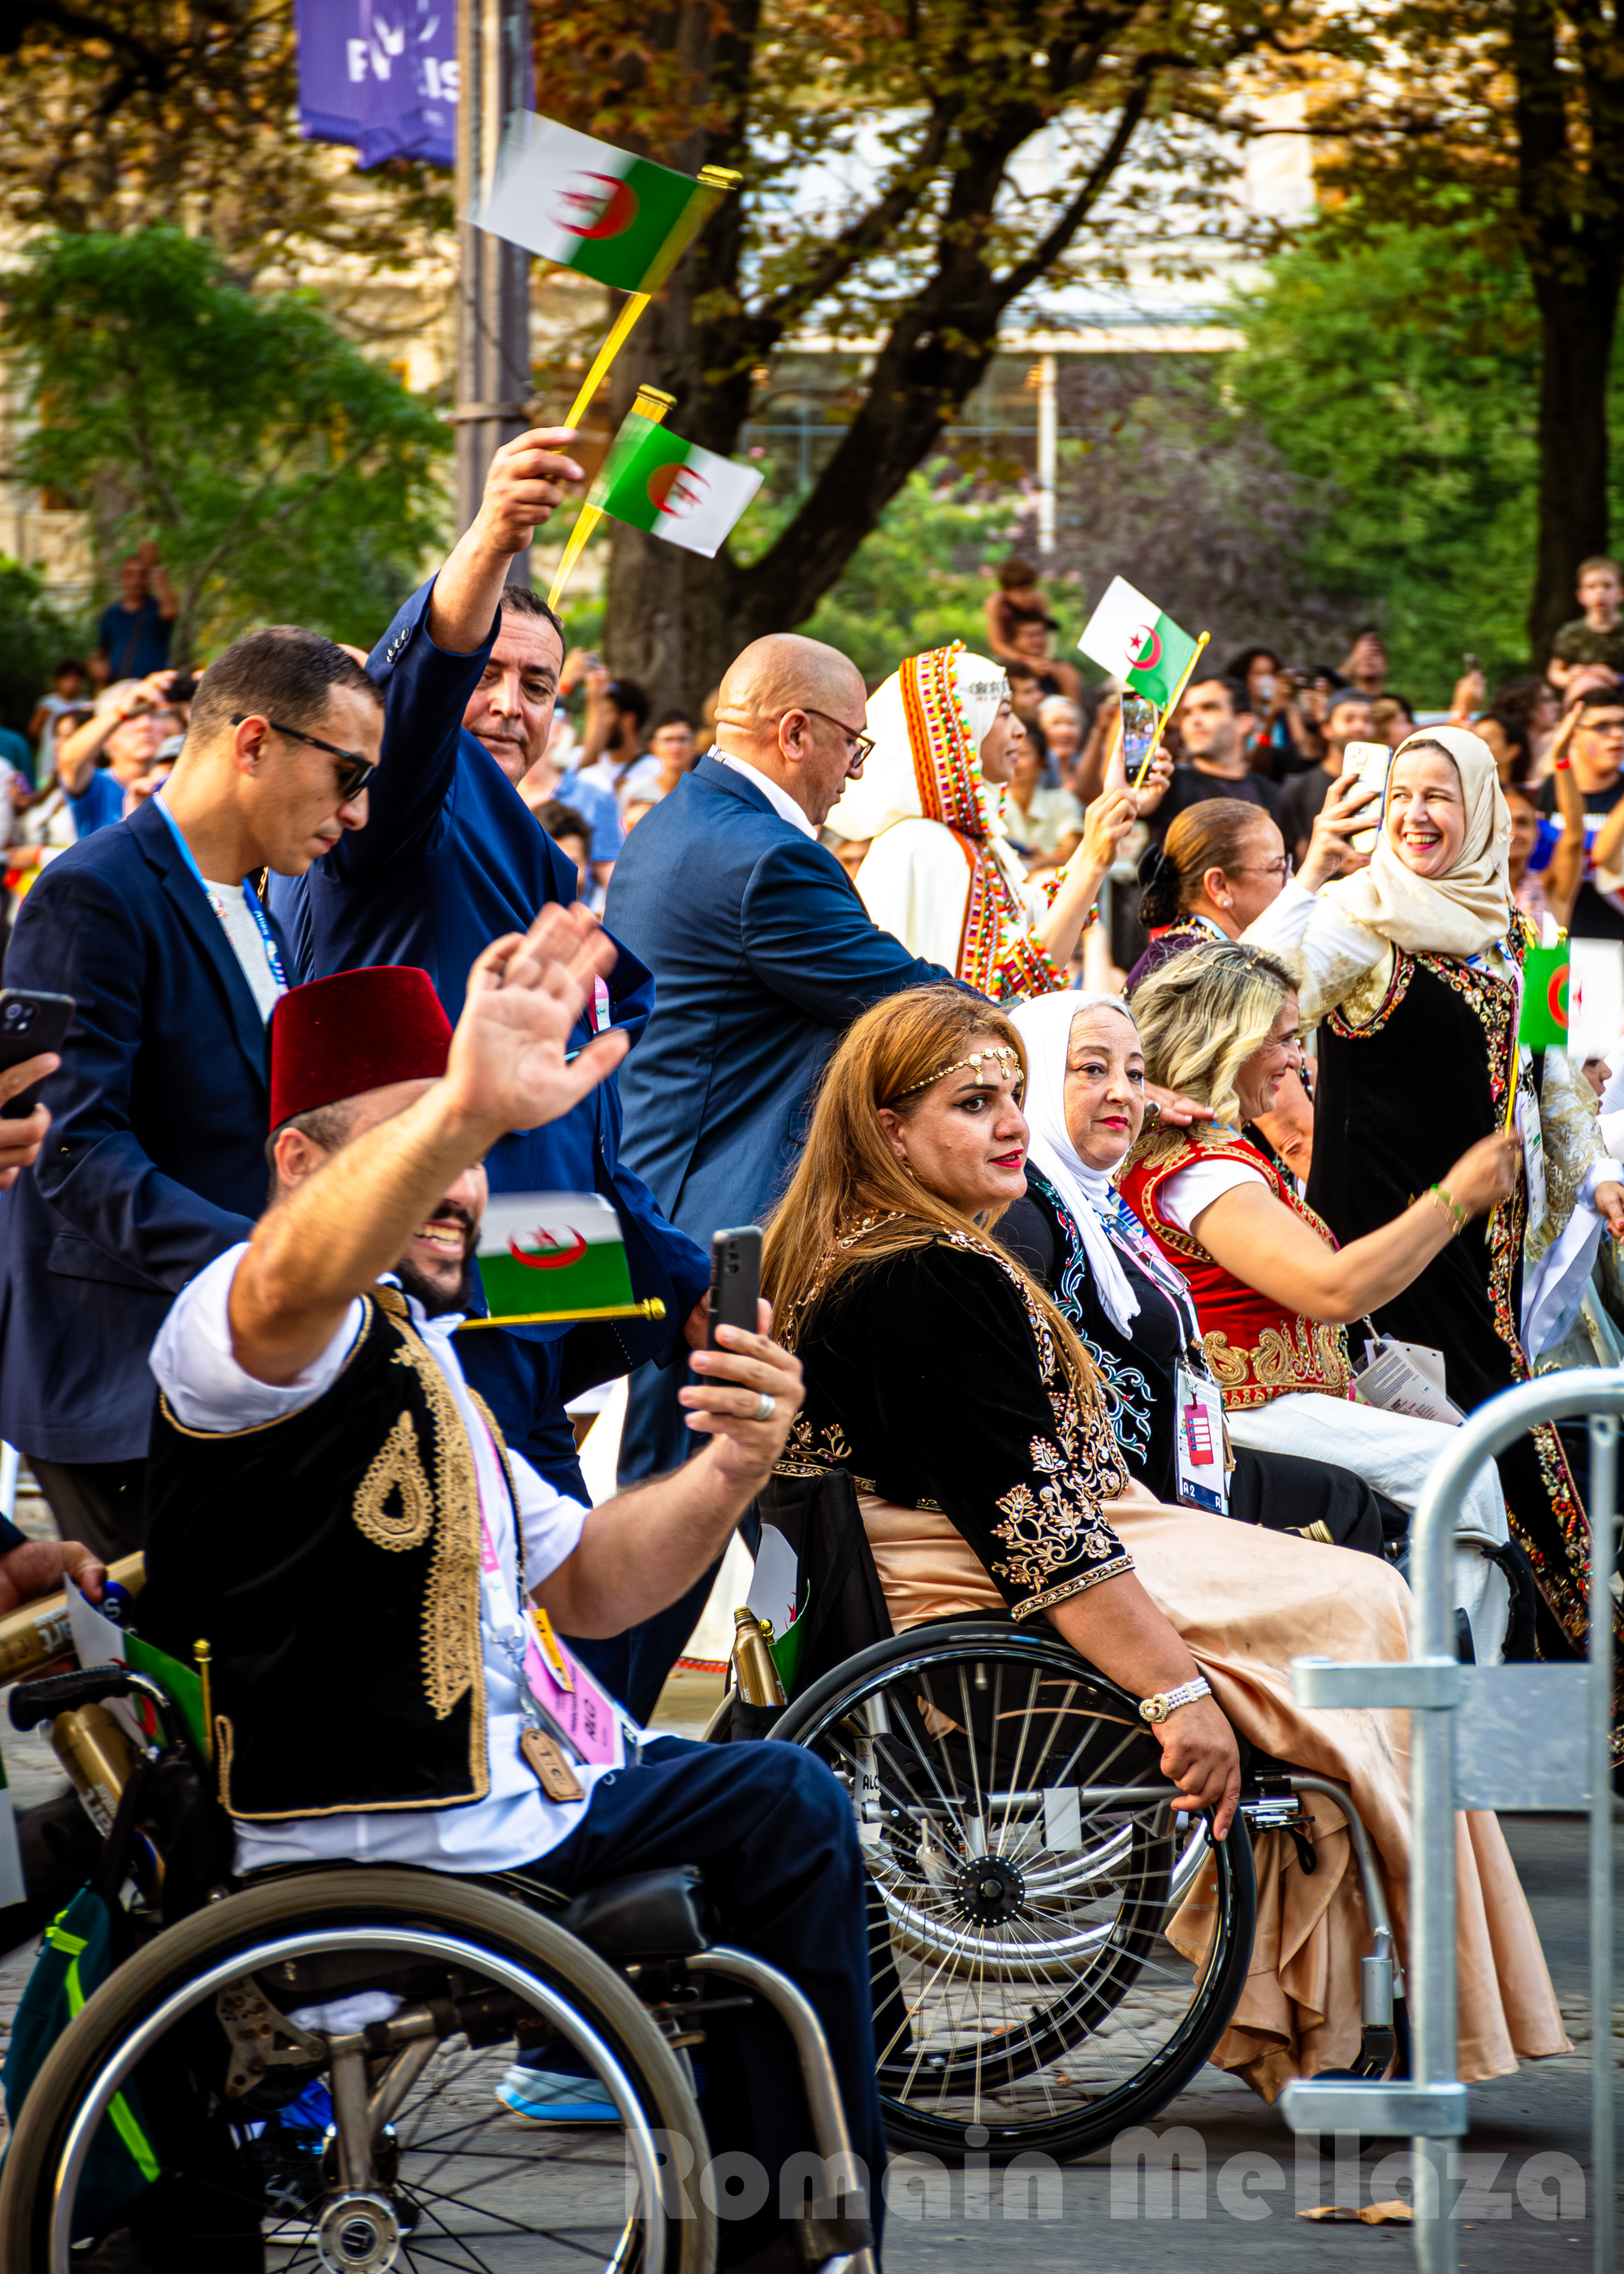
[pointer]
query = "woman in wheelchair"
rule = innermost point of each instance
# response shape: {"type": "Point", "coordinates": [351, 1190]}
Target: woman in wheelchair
{"type": "Point", "coordinates": [955, 1395]}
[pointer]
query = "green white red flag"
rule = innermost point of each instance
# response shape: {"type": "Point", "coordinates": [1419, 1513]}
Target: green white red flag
{"type": "Point", "coordinates": [552, 1252]}
{"type": "Point", "coordinates": [653, 479]}
{"type": "Point", "coordinates": [589, 206]}
{"type": "Point", "coordinates": [1131, 639]}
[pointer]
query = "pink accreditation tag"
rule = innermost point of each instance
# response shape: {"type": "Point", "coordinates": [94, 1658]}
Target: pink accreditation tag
{"type": "Point", "coordinates": [586, 1712]}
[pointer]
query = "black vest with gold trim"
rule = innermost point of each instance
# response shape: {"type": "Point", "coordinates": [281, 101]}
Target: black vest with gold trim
{"type": "Point", "coordinates": [331, 1561]}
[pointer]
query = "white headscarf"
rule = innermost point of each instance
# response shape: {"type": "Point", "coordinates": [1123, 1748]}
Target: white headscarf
{"type": "Point", "coordinates": [1468, 907]}
{"type": "Point", "coordinates": [889, 790]}
{"type": "Point", "coordinates": [1045, 1027]}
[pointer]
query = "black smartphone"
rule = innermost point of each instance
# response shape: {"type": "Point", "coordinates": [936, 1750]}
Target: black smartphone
{"type": "Point", "coordinates": [184, 687]}
{"type": "Point", "coordinates": [735, 1280]}
{"type": "Point", "coordinates": [29, 1023]}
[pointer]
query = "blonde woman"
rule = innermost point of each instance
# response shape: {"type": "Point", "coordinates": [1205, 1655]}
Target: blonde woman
{"type": "Point", "coordinates": [945, 1380]}
{"type": "Point", "coordinates": [1273, 1292]}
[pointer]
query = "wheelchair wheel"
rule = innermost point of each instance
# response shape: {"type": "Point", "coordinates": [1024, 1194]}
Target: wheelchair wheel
{"type": "Point", "coordinates": [1024, 1866]}
{"type": "Point", "coordinates": [314, 2064]}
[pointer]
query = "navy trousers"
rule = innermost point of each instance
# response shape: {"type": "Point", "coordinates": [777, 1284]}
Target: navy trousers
{"type": "Point", "coordinates": [773, 1830]}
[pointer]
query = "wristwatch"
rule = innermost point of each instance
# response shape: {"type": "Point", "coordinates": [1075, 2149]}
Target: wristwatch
{"type": "Point", "coordinates": [1169, 1701]}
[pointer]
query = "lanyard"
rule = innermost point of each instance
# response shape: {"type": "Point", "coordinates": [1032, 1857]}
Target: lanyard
{"type": "Point", "coordinates": [250, 900]}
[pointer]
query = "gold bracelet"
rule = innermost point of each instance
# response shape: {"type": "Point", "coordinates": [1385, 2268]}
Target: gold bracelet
{"type": "Point", "coordinates": [1458, 1217]}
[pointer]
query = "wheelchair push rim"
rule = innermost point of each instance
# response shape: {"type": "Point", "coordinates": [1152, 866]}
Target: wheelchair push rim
{"type": "Point", "coordinates": [454, 2176]}
{"type": "Point", "coordinates": [1024, 1863]}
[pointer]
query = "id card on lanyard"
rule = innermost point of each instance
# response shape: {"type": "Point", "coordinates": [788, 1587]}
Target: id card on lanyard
{"type": "Point", "coordinates": [1203, 1467]}
{"type": "Point", "coordinates": [557, 1696]}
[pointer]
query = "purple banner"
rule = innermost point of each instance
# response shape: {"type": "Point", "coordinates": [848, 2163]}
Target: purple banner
{"type": "Point", "coordinates": [381, 74]}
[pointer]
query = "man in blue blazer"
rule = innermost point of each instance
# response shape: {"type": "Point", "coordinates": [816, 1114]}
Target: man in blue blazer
{"type": "Point", "coordinates": [451, 858]}
{"type": "Point", "coordinates": [156, 1158]}
{"type": "Point", "coordinates": [762, 954]}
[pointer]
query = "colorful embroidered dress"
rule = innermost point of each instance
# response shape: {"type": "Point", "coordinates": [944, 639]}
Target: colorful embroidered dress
{"type": "Point", "coordinates": [941, 873]}
{"type": "Point", "coordinates": [1256, 1349]}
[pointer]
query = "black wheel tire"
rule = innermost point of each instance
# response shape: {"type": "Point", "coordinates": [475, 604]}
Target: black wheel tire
{"type": "Point", "coordinates": [351, 1896]}
{"type": "Point", "coordinates": [1171, 2070]}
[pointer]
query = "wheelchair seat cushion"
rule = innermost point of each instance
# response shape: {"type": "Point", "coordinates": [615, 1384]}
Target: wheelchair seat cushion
{"type": "Point", "coordinates": [651, 1915]}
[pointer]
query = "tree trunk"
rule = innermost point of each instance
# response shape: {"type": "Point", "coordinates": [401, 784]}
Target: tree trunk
{"type": "Point", "coordinates": [1578, 320]}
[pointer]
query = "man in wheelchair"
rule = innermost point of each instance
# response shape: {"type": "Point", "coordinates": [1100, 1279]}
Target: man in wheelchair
{"type": "Point", "coordinates": [333, 1511]}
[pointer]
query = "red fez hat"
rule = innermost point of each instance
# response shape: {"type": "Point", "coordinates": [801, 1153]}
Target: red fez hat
{"type": "Point", "coordinates": [358, 1031]}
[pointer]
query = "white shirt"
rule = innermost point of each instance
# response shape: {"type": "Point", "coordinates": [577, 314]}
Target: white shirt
{"type": "Point", "coordinates": [641, 780]}
{"type": "Point", "coordinates": [782, 803]}
{"type": "Point", "coordinates": [1180, 1199]}
{"type": "Point", "coordinates": [247, 943]}
{"type": "Point", "coordinates": [515, 1822]}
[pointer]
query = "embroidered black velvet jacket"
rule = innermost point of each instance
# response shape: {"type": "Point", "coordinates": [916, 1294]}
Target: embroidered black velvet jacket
{"type": "Point", "coordinates": [331, 1560]}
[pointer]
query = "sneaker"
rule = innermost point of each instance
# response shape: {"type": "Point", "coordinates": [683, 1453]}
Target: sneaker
{"type": "Point", "coordinates": [546, 2098]}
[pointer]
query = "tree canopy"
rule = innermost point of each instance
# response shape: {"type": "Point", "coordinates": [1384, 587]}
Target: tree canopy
{"type": "Point", "coordinates": [282, 475]}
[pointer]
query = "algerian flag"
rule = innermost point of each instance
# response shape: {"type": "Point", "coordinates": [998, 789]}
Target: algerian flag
{"type": "Point", "coordinates": [1137, 643]}
{"type": "Point", "coordinates": [590, 206]}
{"type": "Point", "coordinates": [552, 1252]}
{"type": "Point", "coordinates": [653, 479]}
{"type": "Point", "coordinates": [1543, 1023]}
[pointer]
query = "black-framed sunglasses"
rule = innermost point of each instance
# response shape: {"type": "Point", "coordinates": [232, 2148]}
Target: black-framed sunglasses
{"type": "Point", "coordinates": [354, 771]}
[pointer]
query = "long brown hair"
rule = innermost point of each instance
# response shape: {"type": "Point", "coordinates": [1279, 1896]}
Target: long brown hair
{"type": "Point", "coordinates": [849, 1178]}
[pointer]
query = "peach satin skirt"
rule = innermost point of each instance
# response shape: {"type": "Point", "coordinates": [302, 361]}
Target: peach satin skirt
{"type": "Point", "coordinates": [1247, 1602]}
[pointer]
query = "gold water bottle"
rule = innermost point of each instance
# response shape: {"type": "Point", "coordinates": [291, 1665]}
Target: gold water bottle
{"type": "Point", "coordinates": [754, 1671]}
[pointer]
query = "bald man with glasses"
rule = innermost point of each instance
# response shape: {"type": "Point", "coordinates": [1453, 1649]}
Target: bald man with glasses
{"type": "Point", "coordinates": [762, 955]}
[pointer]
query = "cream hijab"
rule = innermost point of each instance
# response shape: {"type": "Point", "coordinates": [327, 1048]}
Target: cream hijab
{"type": "Point", "coordinates": [1468, 907]}
{"type": "Point", "coordinates": [933, 772]}
{"type": "Point", "coordinates": [1044, 1024]}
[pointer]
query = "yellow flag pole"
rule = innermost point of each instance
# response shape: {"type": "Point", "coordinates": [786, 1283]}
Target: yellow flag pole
{"type": "Point", "coordinates": [1155, 740]}
{"type": "Point", "coordinates": [652, 1308]}
{"type": "Point", "coordinates": [652, 404]}
{"type": "Point", "coordinates": [606, 355]}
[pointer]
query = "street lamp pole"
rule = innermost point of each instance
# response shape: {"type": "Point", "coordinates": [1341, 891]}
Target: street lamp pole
{"type": "Point", "coordinates": [493, 348]}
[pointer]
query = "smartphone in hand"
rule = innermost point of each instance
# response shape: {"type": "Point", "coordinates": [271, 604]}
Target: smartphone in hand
{"type": "Point", "coordinates": [735, 1281]}
{"type": "Point", "coordinates": [30, 1023]}
{"type": "Point", "coordinates": [1372, 763]}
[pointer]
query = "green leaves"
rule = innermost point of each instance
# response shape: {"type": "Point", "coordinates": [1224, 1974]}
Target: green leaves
{"type": "Point", "coordinates": [282, 474]}
{"type": "Point", "coordinates": [1401, 365]}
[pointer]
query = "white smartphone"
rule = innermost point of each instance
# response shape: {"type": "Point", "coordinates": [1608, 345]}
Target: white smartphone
{"type": "Point", "coordinates": [1371, 762]}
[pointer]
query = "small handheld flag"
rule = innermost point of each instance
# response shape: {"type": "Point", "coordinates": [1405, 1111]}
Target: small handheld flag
{"type": "Point", "coordinates": [653, 480]}
{"type": "Point", "coordinates": [555, 1255]}
{"type": "Point", "coordinates": [1543, 1023]}
{"type": "Point", "coordinates": [1132, 640]}
{"type": "Point", "coordinates": [589, 206]}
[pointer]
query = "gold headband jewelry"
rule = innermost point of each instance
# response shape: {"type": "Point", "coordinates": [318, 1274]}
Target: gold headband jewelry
{"type": "Point", "coordinates": [1002, 1051]}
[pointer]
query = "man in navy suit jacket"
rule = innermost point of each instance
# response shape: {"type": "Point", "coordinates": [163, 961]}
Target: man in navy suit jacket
{"type": "Point", "coordinates": [155, 1160]}
{"type": "Point", "coordinates": [762, 955]}
{"type": "Point", "coordinates": [451, 858]}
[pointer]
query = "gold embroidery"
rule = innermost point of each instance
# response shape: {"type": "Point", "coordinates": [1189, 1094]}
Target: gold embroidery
{"type": "Point", "coordinates": [452, 1660]}
{"type": "Point", "coordinates": [1229, 1366]}
{"type": "Point", "coordinates": [395, 1474]}
{"type": "Point", "coordinates": [1051, 1527]}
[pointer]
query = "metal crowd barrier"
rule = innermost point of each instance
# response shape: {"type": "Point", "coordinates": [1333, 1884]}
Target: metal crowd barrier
{"type": "Point", "coordinates": [1533, 1737]}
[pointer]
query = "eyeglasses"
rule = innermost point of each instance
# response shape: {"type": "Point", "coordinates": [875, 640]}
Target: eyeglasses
{"type": "Point", "coordinates": [354, 771]}
{"type": "Point", "coordinates": [1281, 867]}
{"type": "Point", "coordinates": [865, 742]}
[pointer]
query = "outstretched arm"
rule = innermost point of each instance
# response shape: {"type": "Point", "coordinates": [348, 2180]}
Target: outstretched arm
{"type": "Point", "coordinates": [521, 490]}
{"type": "Point", "coordinates": [311, 1256]}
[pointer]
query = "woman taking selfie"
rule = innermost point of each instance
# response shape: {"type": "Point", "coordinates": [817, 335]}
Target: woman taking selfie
{"type": "Point", "coordinates": [1412, 974]}
{"type": "Point", "coordinates": [970, 1418]}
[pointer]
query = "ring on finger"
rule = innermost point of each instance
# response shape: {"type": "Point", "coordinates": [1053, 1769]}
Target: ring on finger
{"type": "Point", "coordinates": [766, 1405]}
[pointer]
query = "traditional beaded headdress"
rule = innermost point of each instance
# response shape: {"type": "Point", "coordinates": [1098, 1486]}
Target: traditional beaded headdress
{"type": "Point", "coordinates": [1009, 1061]}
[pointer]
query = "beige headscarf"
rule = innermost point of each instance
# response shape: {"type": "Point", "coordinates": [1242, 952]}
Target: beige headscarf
{"type": "Point", "coordinates": [1466, 909]}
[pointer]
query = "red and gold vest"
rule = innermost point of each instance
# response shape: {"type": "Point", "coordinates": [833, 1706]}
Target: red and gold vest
{"type": "Point", "coordinates": [1256, 1351]}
